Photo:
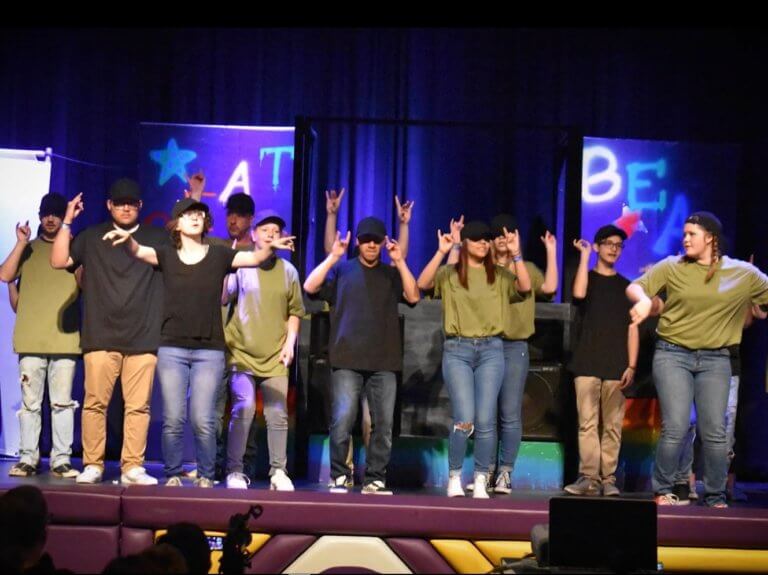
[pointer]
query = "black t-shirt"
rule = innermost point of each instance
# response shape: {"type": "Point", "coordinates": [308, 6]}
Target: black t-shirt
{"type": "Point", "coordinates": [601, 350]}
{"type": "Point", "coordinates": [122, 296]}
{"type": "Point", "coordinates": [192, 312]}
{"type": "Point", "coordinates": [365, 325]}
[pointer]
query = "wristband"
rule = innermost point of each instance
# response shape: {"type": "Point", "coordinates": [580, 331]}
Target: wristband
{"type": "Point", "coordinates": [517, 258]}
{"type": "Point", "coordinates": [66, 225]}
{"type": "Point", "coordinates": [456, 247]}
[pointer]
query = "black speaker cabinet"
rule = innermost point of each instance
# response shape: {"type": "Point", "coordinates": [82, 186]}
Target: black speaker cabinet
{"type": "Point", "coordinates": [544, 402]}
{"type": "Point", "coordinates": [607, 535]}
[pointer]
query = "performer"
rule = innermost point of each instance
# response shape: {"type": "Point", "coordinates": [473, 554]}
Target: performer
{"type": "Point", "coordinates": [261, 338]}
{"type": "Point", "coordinates": [122, 306]}
{"type": "Point", "coordinates": [703, 315]}
{"type": "Point", "coordinates": [191, 354]}
{"type": "Point", "coordinates": [518, 328]}
{"type": "Point", "coordinates": [473, 292]}
{"type": "Point", "coordinates": [404, 212]}
{"type": "Point", "coordinates": [47, 338]}
{"type": "Point", "coordinates": [365, 344]}
{"type": "Point", "coordinates": [604, 361]}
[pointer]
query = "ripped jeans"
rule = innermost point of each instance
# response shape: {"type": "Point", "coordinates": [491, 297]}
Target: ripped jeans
{"type": "Point", "coordinates": [60, 371]}
{"type": "Point", "coordinates": [473, 370]}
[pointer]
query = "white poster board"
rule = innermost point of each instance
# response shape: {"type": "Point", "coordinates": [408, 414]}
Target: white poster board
{"type": "Point", "coordinates": [25, 176]}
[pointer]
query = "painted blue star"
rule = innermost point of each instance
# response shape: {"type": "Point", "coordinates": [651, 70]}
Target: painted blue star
{"type": "Point", "coordinates": [173, 161]}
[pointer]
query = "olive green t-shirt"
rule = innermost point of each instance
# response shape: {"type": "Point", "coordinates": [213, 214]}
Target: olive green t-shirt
{"type": "Point", "coordinates": [699, 314]}
{"type": "Point", "coordinates": [477, 311]}
{"type": "Point", "coordinates": [518, 317]}
{"type": "Point", "coordinates": [266, 297]}
{"type": "Point", "coordinates": [47, 316]}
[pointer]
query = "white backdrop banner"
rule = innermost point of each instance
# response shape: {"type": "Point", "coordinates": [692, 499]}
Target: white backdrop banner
{"type": "Point", "coordinates": [25, 176]}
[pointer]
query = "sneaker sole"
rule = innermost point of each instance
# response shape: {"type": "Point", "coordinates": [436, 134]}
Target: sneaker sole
{"type": "Point", "coordinates": [65, 475]}
{"type": "Point", "coordinates": [339, 490]}
{"type": "Point", "coordinates": [501, 490]}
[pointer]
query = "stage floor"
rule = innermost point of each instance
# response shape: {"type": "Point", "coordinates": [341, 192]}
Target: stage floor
{"type": "Point", "coordinates": [312, 529]}
{"type": "Point", "coordinates": [755, 493]}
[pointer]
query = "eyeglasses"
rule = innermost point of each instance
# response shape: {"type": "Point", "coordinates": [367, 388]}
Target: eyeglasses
{"type": "Point", "coordinates": [126, 205]}
{"type": "Point", "coordinates": [616, 245]}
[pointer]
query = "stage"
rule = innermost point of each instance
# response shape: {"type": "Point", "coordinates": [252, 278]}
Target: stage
{"type": "Point", "coordinates": [311, 530]}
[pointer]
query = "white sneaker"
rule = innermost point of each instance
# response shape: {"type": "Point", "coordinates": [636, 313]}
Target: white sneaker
{"type": "Point", "coordinates": [174, 481]}
{"type": "Point", "coordinates": [237, 480]}
{"type": "Point", "coordinates": [454, 486]}
{"type": "Point", "coordinates": [91, 474]}
{"type": "Point", "coordinates": [137, 476]}
{"type": "Point", "coordinates": [480, 491]}
{"type": "Point", "coordinates": [339, 485]}
{"type": "Point", "coordinates": [280, 481]}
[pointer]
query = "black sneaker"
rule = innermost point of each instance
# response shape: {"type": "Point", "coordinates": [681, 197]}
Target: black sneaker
{"type": "Point", "coordinates": [682, 491]}
{"type": "Point", "coordinates": [22, 470]}
{"type": "Point", "coordinates": [65, 470]}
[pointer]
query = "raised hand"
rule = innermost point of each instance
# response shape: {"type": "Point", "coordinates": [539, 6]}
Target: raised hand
{"type": "Point", "coordinates": [583, 246]}
{"type": "Point", "coordinates": [456, 227]}
{"type": "Point", "coordinates": [393, 247]}
{"type": "Point", "coordinates": [513, 241]}
{"type": "Point", "coordinates": [117, 236]}
{"type": "Point", "coordinates": [340, 245]}
{"type": "Point", "coordinates": [283, 243]}
{"type": "Point", "coordinates": [444, 241]}
{"type": "Point", "coordinates": [23, 233]}
{"type": "Point", "coordinates": [549, 240]}
{"type": "Point", "coordinates": [333, 200]}
{"type": "Point", "coordinates": [404, 211]}
{"type": "Point", "coordinates": [75, 207]}
{"type": "Point", "coordinates": [196, 183]}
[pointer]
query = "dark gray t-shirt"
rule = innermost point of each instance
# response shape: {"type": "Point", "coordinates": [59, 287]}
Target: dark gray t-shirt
{"type": "Point", "coordinates": [365, 324]}
{"type": "Point", "coordinates": [122, 296]}
{"type": "Point", "coordinates": [192, 312]}
{"type": "Point", "coordinates": [601, 350]}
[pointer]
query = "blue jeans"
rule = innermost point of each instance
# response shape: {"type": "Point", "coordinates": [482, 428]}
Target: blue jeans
{"type": "Point", "coordinates": [195, 374]}
{"type": "Point", "coordinates": [682, 377]}
{"type": "Point", "coordinates": [380, 389]}
{"type": "Point", "coordinates": [473, 370]}
{"type": "Point", "coordinates": [686, 460]}
{"type": "Point", "coordinates": [516, 362]}
{"type": "Point", "coordinates": [60, 371]}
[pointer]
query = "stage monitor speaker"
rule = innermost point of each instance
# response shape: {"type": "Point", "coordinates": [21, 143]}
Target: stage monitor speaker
{"type": "Point", "coordinates": [611, 534]}
{"type": "Point", "coordinates": [544, 403]}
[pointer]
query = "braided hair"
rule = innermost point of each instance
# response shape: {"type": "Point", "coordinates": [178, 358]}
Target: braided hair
{"type": "Point", "coordinates": [710, 223]}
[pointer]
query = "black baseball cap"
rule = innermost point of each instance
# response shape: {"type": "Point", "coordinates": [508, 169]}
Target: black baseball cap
{"type": "Point", "coordinates": [372, 227]}
{"type": "Point", "coordinates": [125, 190]}
{"type": "Point", "coordinates": [476, 230]}
{"type": "Point", "coordinates": [707, 220]}
{"type": "Point", "coordinates": [186, 205]}
{"type": "Point", "coordinates": [607, 231]}
{"type": "Point", "coordinates": [241, 204]}
{"type": "Point", "coordinates": [266, 216]}
{"type": "Point", "coordinates": [53, 204]}
{"type": "Point", "coordinates": [501, 221]}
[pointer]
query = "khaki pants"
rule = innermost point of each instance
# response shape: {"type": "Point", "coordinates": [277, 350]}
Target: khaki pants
{"type": "Point", "coordinates": [137, 373]}
{"type": "Point", "coordinates": [600, 404]}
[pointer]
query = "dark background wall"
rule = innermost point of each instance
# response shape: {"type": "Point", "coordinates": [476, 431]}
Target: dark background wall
{"type": "Point", "coordinates": [84, 91]}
